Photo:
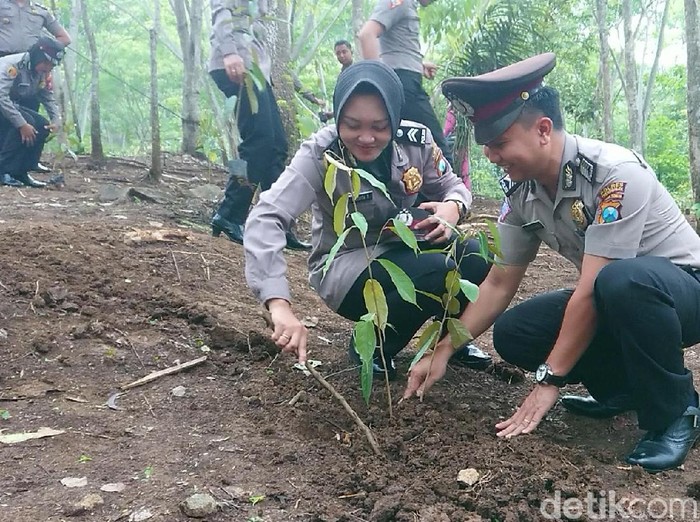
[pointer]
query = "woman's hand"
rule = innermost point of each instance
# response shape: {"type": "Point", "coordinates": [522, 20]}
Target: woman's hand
{"type": "Point", "coordinates": [289, 334]}
{"type": "Point", "coordinates": [442, 211]}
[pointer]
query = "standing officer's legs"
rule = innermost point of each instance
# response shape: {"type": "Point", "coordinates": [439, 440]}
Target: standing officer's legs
{"type": "Point", "coordinates": [418, 108]}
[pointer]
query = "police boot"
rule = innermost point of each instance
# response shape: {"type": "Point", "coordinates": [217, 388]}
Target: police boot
{"type": "Point", "coordinates": [589, 407]}
{"type": "Point", "coordinates": [9, 181]}
{"type": "Point", "coordinates": [40, 167]}
{"type": "Point", "coordinates": [667, 449]}
{"type": "Point", "coordinates": [233, 231]}
{"type": "Point", "coordinates": [27, 180]}
{"type": "Point", "coordinates": [472, 357]}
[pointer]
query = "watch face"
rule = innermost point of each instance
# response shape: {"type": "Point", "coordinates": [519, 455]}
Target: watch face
{"type": "Point", "coordinates": [541, 373]}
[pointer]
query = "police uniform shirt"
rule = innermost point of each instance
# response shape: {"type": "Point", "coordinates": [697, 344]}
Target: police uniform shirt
{"type": "Point", "coordinates": [400, 43]}
{"type": "Point", "coordinates": [17, 82]}
{"type": "Point", "coordinates": [417, 166]}
{"type": "Point", "coordinates": [237, 28]}
{"type": "Point", "coordinates": [609, 203]}
{"type": "Point", "coordinates": [21, 26]}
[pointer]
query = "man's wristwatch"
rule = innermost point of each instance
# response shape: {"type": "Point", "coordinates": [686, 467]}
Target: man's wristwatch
{"type": "Point", "coordinates": [544, 375]}
{"type": "Point", "coordinates": [462, 210]}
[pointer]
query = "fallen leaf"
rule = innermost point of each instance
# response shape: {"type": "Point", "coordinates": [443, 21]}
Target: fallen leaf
{"type": "Point", "coordinates": [140, 515]}
{"type": "Point", "coordinates": [310, 322]}
{"type": "Point", "coordinates": [74, 482]}
{"type": "Point", "coordinates": [313, 363]}
{"type": "Point", "coordinates": [112, 401]}
{"type": "Point", "coordinates": [116, 487]}
{"type": "Point", "coordinates": [13, 438]}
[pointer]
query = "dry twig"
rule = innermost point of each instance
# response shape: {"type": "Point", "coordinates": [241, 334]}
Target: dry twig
{"type": "Point", "coordinates": [177, 269]}
{"type": "Point", "coordinates": [167, 371]}
{"type": "Point", "coordinates": [328, 386]}
{"type": "Point", "coordinates": [126, 339]}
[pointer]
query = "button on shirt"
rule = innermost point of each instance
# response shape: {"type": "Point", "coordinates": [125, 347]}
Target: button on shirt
{"type": "Point", "coordinates": [415, 168]}
{"type": "Point", "coordinates": [399, 44]}
{"type": "Point", "coordinates": [621, 211]}
{"type": "Point", "coordinates": [21, 26]}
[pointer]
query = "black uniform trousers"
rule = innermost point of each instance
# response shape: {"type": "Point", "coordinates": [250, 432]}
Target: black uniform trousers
{"type": "Point", "coordinates": [15, 156]}
{"type": "Point", "coordinates": [427, 271]}
{"type": "Point", "coordinates": [417, 108]}
{"type": "Point", "coordinates": [648, 310]}
{"type": "Point", "coordinates": [263, 146]}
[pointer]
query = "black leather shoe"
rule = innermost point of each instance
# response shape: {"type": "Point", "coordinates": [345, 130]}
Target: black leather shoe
{"type": "Point", "coordinates": [293, 243]}
{"type": "Point", "coordinates": [589, 407]}
{"type": "Point", "coordinates": [9, 181]}
{"type": "Point", "coordinates": [662, 450]}
{"type": "Point", "coordinates": [41, 168]}
{"type": "Point", "coordinates": [27, 180]}
{"type": "Point", "coordinates": [233, 231]}
{"type": "Point", "coordinates": [471, 357]}
{"type": "Point", "coordinates": [377, 365]}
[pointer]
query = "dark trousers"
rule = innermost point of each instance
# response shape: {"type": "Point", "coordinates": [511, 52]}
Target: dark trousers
{"type": "Point", "coordinates": [427, 271]}
{"type": "Point", "coordinates": [417, 108]}
{"type": "Point", "coordinates": [15, 156]}
{"type": "Point", "coordinates": [263, 146]}
{"type": "Point", "coordinates": [648, 310]}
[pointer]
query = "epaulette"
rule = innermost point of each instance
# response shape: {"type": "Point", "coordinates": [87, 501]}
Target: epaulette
{"type": "Point", "coordinates": [412, 134]}
{"type": "Point", "coordinates": [586, 167]}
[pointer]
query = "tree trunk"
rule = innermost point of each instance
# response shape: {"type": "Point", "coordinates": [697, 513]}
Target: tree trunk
{"type": "Point", "coordinates": [604, 73]}
{"type": "Point", "coordinates": [358, 18]}
{"type": "Point", "coordinates": [277, 42]}
{"type": "Point", "coordinates": [156, 170]}
{"type": "Point", "coordinates": [692, 33]}
{"type": "Point", "coordinates": [97, 151]}
{"type": "Point", "coordinates": [189, 30]}
{"type": "Point", "coordinates": [631, 81]}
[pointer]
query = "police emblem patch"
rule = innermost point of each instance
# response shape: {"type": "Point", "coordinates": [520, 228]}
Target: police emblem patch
{"type": "Point", "coordinates": [412, 180]}
{"type": "Point", "coordinates": [610, 205]}
{"type": "Point", "coordinates": [569, 182]}
{"type": "Point", "coordinates": [439, 160]}
{"type": "Point", "coordinates": [578, 215]}
{"type": "Point", "coordinates": [12, 71]}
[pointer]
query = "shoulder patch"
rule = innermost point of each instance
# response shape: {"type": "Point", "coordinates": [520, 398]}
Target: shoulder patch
{"type": "Point", "coordinates": [610, 202]}
{"type": "Point", "coordinates": [439, 160]}
{"type": "Point", "coordinates": [505, 210]}
{"type": "Point", "coordinates": [12, 71]}
{"type": "Point", "coordinates": [411, 134]}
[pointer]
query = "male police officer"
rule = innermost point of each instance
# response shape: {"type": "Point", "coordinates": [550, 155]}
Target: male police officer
{"type": "Point", "coordinates": [637, 301]}
{"type": "Point", "coordinates": [343, 53]}
{"type": "Point", "coordinates": [24, 130]}
{"type": "Point", "coordinates": [392, 34]}
{"type": "Point", "coordinates": [236, 46]}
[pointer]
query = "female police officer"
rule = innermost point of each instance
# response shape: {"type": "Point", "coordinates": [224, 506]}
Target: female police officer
{"type": "Point", "coordinates": [367, 105]}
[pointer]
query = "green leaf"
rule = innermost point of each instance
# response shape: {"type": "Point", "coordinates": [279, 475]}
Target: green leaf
{"type": "Point", "coordinates": [375, 302]}
{"type": "Point", "coordinates": [338, 164]}
{"type": "Point", "coordinates": [360, 222]}
{"type": "Point", "coordinates": [483, 244]}
{"type": "Point", "coordinates": [469, 289]}
{"type": "Point", "coordinates": [148, 472]}
{"type": "Point", "coordinates": [356, 183]}
{"type": "Point", "coordinates": [230, 106]}
{"type": "Point", "coordinates": [496, 247]}
{"type": "Point", "coordinates": [255, 72]}
{"type": "Point", "coordinates": [339, 212]}
{"type": "Point", "coordinates": [452, 282]}
{"type": "Point", "coordinates": [405, 234]}
{"type": "Point", "coordinates": [252, 97]}
{"type": "Point", "coordinates": [373, 181]}
{"type": "Point", "coordinates": [431, 296]}
{"type": "Point", "coordinates": [4, 414]}
{"type": "Point", "coordinates": [453, 305]}
{"type": "Point", "coordinates": [426, 340]}
{"type": "Point", "coordinates": [403, 283]}
{"type": "Point", "coordinates": [365, 341]}
{"type": "Point", "coordinates": [458, 332]}
{"type": "Point", "coordinates": [256, 499]}
{"type": "Point", "coordinates": [84, 458]}
{"type": "Point", "coordinates": [334, 250]}
{"type": "Point", "coordinates": [329, 180]}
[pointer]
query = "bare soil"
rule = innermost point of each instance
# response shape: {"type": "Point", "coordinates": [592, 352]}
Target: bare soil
{"type": "Point", "coordinates": [103, 281]}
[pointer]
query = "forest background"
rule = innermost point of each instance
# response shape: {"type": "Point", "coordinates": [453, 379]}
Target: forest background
{"type": "Point", "coordinates": [135, 80]}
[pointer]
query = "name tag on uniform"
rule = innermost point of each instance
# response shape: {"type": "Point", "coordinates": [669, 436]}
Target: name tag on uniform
{"type": "Point", "coordinates": [533, 226]}
{"type": "Point", "coordinates": [364, 196]}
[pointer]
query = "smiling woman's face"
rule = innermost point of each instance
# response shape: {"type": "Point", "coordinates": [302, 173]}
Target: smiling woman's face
{"type": "Point", "coordinates": [364, 126]}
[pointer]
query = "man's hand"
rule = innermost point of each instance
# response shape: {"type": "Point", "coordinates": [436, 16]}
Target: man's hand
{"type": "Point", "coordinates": [530, 413]}
{"type": "Point", "coordinates": [289, 334]}
{"type": "Point", "coordinates": [28, 134]}
{"type": "Point", "coordinates": [52, 127]}
{"type": "Point", "coordinates": [441, 211]}
{"type": "Point", "coordinates": [234, 67]}
{"type": "Point", "coordinates": [424, 374]}
{"type": "Point", "coordinates": [429, 70]}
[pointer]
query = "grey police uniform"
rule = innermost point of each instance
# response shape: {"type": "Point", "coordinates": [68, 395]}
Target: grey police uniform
{"type": "Point", "coordinates": [237, 28]}
{"type": "Point", "coordinates": [17, 82]}
{"type": "Point", "coordinates": [608, 204]}
{"type": "Point", "coordinates": [21, 26]}
{"type": "Point", "coordinates": [415, 168]}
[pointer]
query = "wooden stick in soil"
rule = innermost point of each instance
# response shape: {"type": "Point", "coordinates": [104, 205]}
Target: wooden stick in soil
{"type": "Point", "coordinates": [162, 373]}
{"type": "Point", "coordinates": [328, 386]}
